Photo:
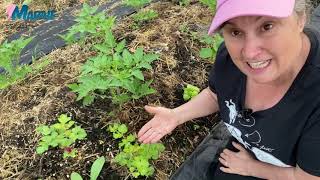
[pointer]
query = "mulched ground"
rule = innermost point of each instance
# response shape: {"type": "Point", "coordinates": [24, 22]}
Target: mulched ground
{"type": "Point", "coordinates": [42, 97]}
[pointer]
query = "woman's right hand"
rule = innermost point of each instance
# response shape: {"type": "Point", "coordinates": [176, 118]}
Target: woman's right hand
{"type": "Point", "coordinates": [163, 123]}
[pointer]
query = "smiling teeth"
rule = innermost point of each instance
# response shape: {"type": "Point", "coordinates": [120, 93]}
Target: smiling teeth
{"type": "Point", "coordinates": [259, 64]}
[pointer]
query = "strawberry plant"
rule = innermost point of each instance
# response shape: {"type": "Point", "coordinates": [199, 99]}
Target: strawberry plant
{"type": "Point", "coordinates": [94, 172]}
{"type": "Point", "coordinates": [190, 91]}
{"type": "Point", "coordinates": [136, 156]}
{"type": "Point", "coordinates": [9, 60]}
{"type": "Point", "coordinates": [60, 135]}
{"type": "Point", "coordinates": [212, 44]}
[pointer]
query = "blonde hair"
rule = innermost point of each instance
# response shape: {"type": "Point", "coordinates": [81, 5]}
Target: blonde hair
{"type": "Point", "coordinates": [303, 7]}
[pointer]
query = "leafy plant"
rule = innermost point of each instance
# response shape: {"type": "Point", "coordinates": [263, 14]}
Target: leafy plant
{"type": "Point", "coordinates": [9, 60]}
{"type": "Point", "coordinates": [118, 130]}
{"type": "Point", "coordinates": [94, 172]}
{"type": "Point", "coordinates": [136, 156]}
{"type": "Point", "coordinates": [190, 91]}
{"type": "Point", "coordinates": [60, 135]}
{"type": "Point", "coordinates": [89, 22]}
{"type": "Point", "coordinates": [210, 3]}
{"type": "Point", "coordinates": [144, 15]}
{"type": "Point", "coordinates": [213, 44]}
{"type": "Point", "coordinates": [136, 3]}
{"type": "Point", "coordinates": [114, 70]}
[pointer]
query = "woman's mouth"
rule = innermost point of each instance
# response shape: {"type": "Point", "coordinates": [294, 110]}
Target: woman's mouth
{"type": "Point", "coordinates": [259, 64]}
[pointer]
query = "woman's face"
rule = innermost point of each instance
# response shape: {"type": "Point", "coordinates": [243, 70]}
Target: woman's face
{"type": "Point", "coordinates": [266, 49]}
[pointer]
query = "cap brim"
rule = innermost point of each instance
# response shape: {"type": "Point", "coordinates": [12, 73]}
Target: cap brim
{"type": "Point", "coordinates": [235, 8]}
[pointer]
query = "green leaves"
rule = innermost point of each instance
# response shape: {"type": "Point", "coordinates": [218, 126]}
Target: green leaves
{"type": "Point", "coordinates": [96, 168]}
{"type": "Point", "coordinates": [94, 172]}
{"type": "Point", "coordinates": [210, 3]}
{"type": "Point", "coordinates": [206, 53]}
{"type": "Point", "coordinates": [61, 135]}
{"type": "Point", "coordinates": [133, 155]}
{"type": "Point", "coordinates": [136, 3]}
{"type": "Point", "coordinates": [120, 73]}
{"type": "Point", "coordinates": [118, 130]}
{"type": "Point", "coordinates": [212, 44]}
{"type": "Point", "coordinates": [144, 15]}
{"type": "Point", "coordinates": [89, 22]}
{"type": "Point", "coordinates": [190, 91]}
{"type": "Point", "coordinates": [75, 176]}
{"type": "Point", "coordinates": [9, 60]}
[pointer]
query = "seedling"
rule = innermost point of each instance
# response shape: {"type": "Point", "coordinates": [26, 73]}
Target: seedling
{"type": "Point", "coordinates": [60, 135]}
{"type": "Point", "coordinates": [184, 2]}
{"type": "Point", "coordinates": [89, 23]}
{"type": "Point", "coordinates": [213, 44]}
{"type": "Point", "coordinates": [141, 16]}
{"type": "Point", "coordinates": [94, 172]}
{"type": "Point", "coordinates": [136, 3]}
{"type": "Point", "coordinates": [118, 130]}
{"type": "Point", "coordinates": [9, 60]}
{"type": "Point", "coordinates": [210, 3]}
{"type": "Point", "coordinates": [136, 156]}
{"type": "Point", "coordinates": [190, 91]}
{"type": "Point", "coordinates": [144, 16]}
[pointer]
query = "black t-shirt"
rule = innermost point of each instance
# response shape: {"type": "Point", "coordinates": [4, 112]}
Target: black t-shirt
{"type": "Point", "coordinates": [287, 133]}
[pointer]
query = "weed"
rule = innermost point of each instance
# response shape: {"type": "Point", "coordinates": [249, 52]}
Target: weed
{"type": "Point", "coordinates": [94, 172]}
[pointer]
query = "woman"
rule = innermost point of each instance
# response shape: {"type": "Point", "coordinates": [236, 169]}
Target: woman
{"type": "Point", "coordinates": [266, 85]}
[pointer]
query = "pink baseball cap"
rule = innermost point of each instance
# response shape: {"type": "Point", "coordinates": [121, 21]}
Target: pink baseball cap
{"type": "Point", "coordinates": [228, 9]}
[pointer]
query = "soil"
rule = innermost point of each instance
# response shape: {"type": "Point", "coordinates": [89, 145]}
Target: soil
{"type": "Point", "coordinates": [42, 97]}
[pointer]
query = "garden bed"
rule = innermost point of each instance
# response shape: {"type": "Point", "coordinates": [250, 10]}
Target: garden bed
{"type": "Point", "coordinates": [42, 97]}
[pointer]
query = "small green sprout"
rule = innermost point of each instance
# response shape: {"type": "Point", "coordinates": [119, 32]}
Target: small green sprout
{"type": "Point", "coordinates": [94, 172]}
{"type": "Point", "coordinates": [118, 130]}
{"type": "Point", "coordinates": [190, 91]}
{"type": "Point", "coordinates": [213, 44]}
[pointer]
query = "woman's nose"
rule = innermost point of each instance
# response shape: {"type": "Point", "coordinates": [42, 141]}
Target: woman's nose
{"type": "Point", "coordinates": [251, 48]}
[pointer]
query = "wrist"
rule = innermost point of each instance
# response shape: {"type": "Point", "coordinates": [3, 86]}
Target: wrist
{"type": "Point", "coordinates": [252, 167]}
{"type": "Point", "coordinates": [177, 116]}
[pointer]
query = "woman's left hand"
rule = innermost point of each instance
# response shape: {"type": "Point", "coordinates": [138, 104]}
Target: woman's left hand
{"type": "Point", "coordinates": [236, 162]}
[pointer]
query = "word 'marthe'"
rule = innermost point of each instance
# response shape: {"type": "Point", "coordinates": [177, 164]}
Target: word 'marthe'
{"type": "Point", "coordinates": [31, 15]}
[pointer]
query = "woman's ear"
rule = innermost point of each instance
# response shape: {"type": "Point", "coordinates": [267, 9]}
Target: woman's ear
{"type": "Point", "coordinates": [302, 20]}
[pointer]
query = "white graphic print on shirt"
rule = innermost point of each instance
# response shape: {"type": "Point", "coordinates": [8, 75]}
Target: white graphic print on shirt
{"type": "Point", "coordinates": [254, 137]}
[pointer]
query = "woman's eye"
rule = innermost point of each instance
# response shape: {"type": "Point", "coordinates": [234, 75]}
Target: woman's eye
{"type": "Point", "coordinates": [267, 27]}
{"type": "Point", "coordinates": [235, 33]}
